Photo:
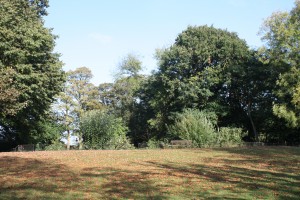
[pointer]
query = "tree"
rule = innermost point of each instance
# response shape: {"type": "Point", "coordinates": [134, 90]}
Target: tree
{"type": "Point", "coordinates": [249, 94]}
{"type": "Point", "coordinates": [64, 109]}
{"type": "Point", "coordinates": [26, 47]}
{"type": "Point", "coordinates": [192, 72]}
{"type": "Point", "coordinates": [120, 97]}
{"type": "Point", "coordinates": [79, 96]}
{"type": "Point", "coordinates": [130, 66]}
{"type": "Point", "coordinates": [282, 35]}
{"type": "Point", "coordinates": [9, 95]}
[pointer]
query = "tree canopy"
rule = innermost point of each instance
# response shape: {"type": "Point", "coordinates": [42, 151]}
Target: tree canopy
{"type": "Point", "coordinates": [282, 35]}
{"type": "Point", "coordinates": [26, 49]}
{"type": "Point", "coordinates": [210, 87]}
{"type": "Point", "coordinates": [193, 71]}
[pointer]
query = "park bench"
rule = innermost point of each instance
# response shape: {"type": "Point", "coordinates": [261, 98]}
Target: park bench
{"type": "Point", "coordinates": [24, 147]}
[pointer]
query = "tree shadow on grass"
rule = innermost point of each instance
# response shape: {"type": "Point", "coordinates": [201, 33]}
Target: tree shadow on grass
{"type": "Point", "coordinates": [271, 175]}
{"type": "Point", "coordinates": [236, 182]}
{"type": "Point", "coordinates": [27, 178]}
{"type": "Point", "coordinates": [264, 151]}
{"type": "Point", "coordinates": [126, 184]}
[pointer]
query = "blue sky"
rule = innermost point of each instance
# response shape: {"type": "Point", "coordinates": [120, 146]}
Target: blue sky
{"type": "Point", "coordinates": [99, 33]}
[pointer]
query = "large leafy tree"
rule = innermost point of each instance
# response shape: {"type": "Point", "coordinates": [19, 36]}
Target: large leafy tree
{"type": "Point", "coordinates": [249, 94]}
{"type": "Point", "coordinates": [192, 72]}
{"type": "Point", "coordinates": [64, 110]}
{"type": "Point", "coordinates": [26, 47]}
{"type": "Point", "coordinates": [79, 96]}
{"type": "Point", "coordinates": [9, 94]}
{"type": "Point", "coordinates": [120, 97]}
{"type": "Point", "coordinates": [282, 36]}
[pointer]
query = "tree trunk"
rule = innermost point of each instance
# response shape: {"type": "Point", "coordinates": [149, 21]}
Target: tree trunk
{"type": "Point", "coordinates": [68, 140]}
{"type": "Point", "coordinates": [251, 121]}
{"type": "Point", "coordinates": [80, 141]}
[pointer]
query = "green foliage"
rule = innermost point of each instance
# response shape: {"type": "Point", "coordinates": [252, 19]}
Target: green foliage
{"type": "Point", "coordinates": [194, 125]}
{"type": "Point", "coordinates": [48, 132]}
{"type": "Point", "coordinates": [26, 47]}
{"type": "Point", "coordinates": [78, 96]}
{"type": "Point", "coordinates": [155, 144]}
{"type": "Point", "coordinates": [228, 137]}
{"type": "Point", "coordinates": [9, 94]}
{"type": "Point", "coordinates": [102, 130]}
{"type": "Point", "coordinates": [282, 35]}
{"type": "Point", "coordinates": [130, 66]}
{"type": "Point", "coordinates": [199, 127]}
{"type": "Point", "coordinates": [121, 96]}
{"type": "Point", "coordinates": [248, 95]}
{"type": "Point", "coordinates": [192, 72]}
{"type": "Point", "coordinates": [289, 93]}
{"type": "Point", "coordinates": [57, 146]}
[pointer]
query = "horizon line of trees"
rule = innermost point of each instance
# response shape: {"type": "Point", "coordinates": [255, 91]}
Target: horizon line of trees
{"type": "Point", "coordinates": [210, 87]}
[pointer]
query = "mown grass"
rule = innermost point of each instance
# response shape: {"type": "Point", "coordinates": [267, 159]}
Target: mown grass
{"type": "Point", "coordinates": [227, 173]}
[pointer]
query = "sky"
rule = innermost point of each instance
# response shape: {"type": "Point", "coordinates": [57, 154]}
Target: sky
{"type": "Point", "coordinates": [98, 34]}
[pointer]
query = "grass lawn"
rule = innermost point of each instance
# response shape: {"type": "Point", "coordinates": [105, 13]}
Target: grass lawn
{"type": "Point", "coordinates": [225, 173]}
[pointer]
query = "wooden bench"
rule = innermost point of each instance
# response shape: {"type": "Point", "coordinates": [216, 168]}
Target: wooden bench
{"type": "Point", "coordinates": [24, 147]}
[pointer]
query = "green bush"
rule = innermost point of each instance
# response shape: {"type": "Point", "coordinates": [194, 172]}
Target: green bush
{"type": "Point", "coordinates": [57, 146]}
{"type": "Point", "coordinates": [119, 142]}
{"type": "Point", "coordinates": [199, 127]}
{"type": "Point", "coordinates": [194, 125]}
{"type": "Point", "coordinates": [103, 131]}
{"type": "Point", "coordinates": [228, 137]}
{"type": "Point", "coordinates": [155, 144]}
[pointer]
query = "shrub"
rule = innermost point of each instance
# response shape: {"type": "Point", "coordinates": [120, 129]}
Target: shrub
{"type": "Point", "coordinates": [154, 144]}
{"type": "Point", "coordinates": [103, 131]}
{"type": "Point", "coordinates": [194, 125]}
{"type": "Point", "coordinates": [229, 136]}
{"type": "Point", "coordinates": [57, 146]}
{"type": "Point", "coordinates": [198, 126]}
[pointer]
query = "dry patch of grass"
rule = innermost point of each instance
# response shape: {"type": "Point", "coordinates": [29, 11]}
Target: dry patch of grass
{"type": "Point", "coordinates": [233, 173]}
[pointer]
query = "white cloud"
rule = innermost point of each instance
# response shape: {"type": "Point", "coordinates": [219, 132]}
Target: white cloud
{"type": "Point", "coordinates": [103, 39]}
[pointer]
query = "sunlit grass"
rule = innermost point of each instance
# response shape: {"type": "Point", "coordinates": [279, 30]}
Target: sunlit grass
{"type": "Point", "coordinates": [234, 173]}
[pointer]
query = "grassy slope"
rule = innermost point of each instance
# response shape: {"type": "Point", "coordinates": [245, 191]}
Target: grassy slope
{"type": "Point", "coordinates": [237, 173]}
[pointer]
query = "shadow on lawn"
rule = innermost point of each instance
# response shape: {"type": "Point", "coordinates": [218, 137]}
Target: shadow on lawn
{"type": "Point", "coordinates": [264, 151]}
{"type": "Point", "coordinates": [280, 180]}
{"type": "Point", "coordinates": [27, 178]}
{"type": "Point", "coordinates": [255, 173]}
{"type": "Point", "coordinates": [125, 184]}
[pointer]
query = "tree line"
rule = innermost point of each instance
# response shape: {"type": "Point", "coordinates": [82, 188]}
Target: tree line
{"type": "Point", "coordinates": [210, 87]}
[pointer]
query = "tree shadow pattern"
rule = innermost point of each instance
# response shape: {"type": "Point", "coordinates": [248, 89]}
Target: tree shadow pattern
{"type": "Point", "coordinates": [26, 178]}
{"type": "Point", "coordinates": [255, 175]}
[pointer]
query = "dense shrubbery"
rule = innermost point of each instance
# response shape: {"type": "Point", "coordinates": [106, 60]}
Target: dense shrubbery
{"type": "Point", "coordinates": [199, 127]}
{"type": "Point", "coordinates": [103, 131]}
{"type": "Point", "coordinates": [229, 136]}
{"type": "Point", "coordinates": [55, 147]}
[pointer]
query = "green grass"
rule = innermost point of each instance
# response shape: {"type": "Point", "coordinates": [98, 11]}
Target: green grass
{"type": "Point", "coordinates": [225, 173]}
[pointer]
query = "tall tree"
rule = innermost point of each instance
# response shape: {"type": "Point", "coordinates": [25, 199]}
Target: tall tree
{"type": "Point", "coordinates": [120, 95]}
{"type": "Point", "coordinates": [64, 109]}
{"type": "Point", "coordinates": [26, 47]}
{"type": "Point", "coordinates": [282, 36]}
{"type": "Point", "coordinates": [9, 95]}
{"type": "Point", "coordinates": [192, 72]}
{"type": "Point", "coordinates": [78, 97]}
{"type": "Point", "coordinates": [249, 94]}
